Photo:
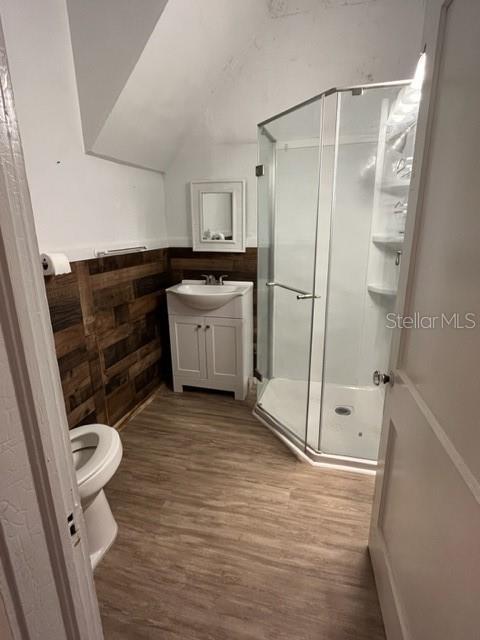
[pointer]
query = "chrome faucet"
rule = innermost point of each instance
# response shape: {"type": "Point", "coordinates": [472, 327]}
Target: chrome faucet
{"type": "Point", "coordinates": [209, 278]}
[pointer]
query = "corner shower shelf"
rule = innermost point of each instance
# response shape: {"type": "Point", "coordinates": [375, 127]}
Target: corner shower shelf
{"type": "Point", "coordinates": [382, 290]}
{"type": "Point", "coordinates": [395, 187]}
{"type": "Point", "coordinates": [392, 242]}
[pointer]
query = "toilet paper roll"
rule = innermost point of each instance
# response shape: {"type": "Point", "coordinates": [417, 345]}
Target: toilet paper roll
{"type": "Point", "coordinates": [54, 264]}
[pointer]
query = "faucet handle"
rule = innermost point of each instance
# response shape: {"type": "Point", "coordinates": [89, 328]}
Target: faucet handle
{"type": "Point", "coordinates": [222, 278]}
{"type": "Point", "coordinates": [206, 276]}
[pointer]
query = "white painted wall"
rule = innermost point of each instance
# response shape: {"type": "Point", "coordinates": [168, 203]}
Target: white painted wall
{"type": "Point", "coordinates": [187, 54]}
{"type": "Point", "coordinates": [202, 159]}
{"type": "Point", "coordinates": [281, 53]}
{"type": "Point", "coordinates": [301, 48]}
{"type": "Point", "coordinates": [81, 203]}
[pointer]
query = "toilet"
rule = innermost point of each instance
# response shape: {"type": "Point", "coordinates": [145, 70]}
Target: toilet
{"type": "Point", "coordinates": [97, 451]}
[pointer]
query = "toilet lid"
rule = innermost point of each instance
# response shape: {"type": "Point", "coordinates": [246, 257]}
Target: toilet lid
{"type": "Point", "coordinates": [105, 442]}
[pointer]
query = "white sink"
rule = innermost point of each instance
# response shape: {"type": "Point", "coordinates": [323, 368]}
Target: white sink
{"type": "Point", "coordinates": [207, 297]}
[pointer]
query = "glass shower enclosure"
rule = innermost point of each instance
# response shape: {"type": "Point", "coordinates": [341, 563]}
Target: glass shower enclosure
{"type": "Point", "coordinates": [333, 182]}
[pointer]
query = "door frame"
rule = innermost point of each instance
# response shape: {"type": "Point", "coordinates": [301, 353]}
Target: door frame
{"type": "Point", "coordinates": [432, 42]}
{"type": "Point", "coordinates": [44, 447]}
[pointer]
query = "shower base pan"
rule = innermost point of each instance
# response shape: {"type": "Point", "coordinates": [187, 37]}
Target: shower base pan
{"type": "Point", "coordinates": [270, 405]}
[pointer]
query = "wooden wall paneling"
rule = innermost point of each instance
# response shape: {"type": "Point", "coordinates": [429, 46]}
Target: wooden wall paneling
{"type": "Point", "coordinates": [75, 378]}
{"type": "Point", "coordinates": [185, 263]}
{"type": "Point", "coordinates": [64, 301]}
{"type": "Point", "coordinates": [89, 325]}
{"type": "Point", "coordinates": [126, 292]}
{"type": "Point", "coordinates": [110, 323]}
{"type": "Point", "coordinates": [69, 338]}
{"type": "Point", "coordinates": [120, 401]}
{"type": "Point", "coordinates": [106, 317]}
{"type": "Point", "coordinates": [72, 354]}
{"type": "Point", "coordinates": [124, 276]}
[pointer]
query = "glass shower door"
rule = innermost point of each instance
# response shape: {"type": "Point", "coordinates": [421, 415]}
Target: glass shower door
{"type": "Point", "coordinates": [287, 215]}
{"type": "Point", "coordinates": [265, 187]}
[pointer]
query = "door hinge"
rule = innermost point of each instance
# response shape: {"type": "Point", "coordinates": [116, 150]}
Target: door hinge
{"type": "Point", "coordinates": [383, 378]}
{"type": "Point", "coordinates": [260, 170]}
{"type": "Point", "coordinates": [258, 375]}
{"type": "Point", "coordinates": [71, 525]}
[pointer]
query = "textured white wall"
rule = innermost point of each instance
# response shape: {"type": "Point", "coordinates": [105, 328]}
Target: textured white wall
{"type": "Point", "coordinates": [302, 48]}
{"type": "Point", "coordinates": [80, 202]}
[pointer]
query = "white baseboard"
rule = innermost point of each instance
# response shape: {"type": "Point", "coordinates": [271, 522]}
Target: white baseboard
{"type": "Point", "coordinates": [393, 618]}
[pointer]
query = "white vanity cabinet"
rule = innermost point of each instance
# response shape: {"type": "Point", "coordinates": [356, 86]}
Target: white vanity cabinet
{"type": "Point", "coordinates": [212, 348]}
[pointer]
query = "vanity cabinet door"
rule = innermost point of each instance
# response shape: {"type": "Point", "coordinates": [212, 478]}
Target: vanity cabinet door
{"type": "Point", "coordinates": [187, 337]}
{"type": "Point", "coordinates": [224, 350]}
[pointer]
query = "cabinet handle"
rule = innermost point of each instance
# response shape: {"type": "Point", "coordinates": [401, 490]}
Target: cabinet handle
{"type": "Point", "coordinates": [207, 326]}
{"type": "Point", "coordinates": [199, 326]}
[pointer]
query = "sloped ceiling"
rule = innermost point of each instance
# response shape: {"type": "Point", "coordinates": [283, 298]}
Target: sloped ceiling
{"type": "Point", "coordinates": [108, 37]}
{"type": "Point", "coordinates": [144, 69]}
{"type": "Point", "coordinates": [149, 71]}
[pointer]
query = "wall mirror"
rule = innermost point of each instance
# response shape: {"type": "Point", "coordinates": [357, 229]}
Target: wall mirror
{"type": "Point", "coordinates": [218, 215]}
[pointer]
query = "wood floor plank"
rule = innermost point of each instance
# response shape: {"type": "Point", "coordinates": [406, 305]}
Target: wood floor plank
{"type": "Point", "coordinates": [224, 535]}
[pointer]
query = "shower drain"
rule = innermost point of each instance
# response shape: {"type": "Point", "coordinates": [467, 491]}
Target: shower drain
{"type": "Point", "coordinates": [343, 411]}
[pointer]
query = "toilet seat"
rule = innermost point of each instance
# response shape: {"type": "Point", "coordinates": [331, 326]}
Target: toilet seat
{"type": "Point", "coordinates": [95, 471]}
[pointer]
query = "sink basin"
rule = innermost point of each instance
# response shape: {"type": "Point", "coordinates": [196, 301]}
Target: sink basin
{"type": "Point", "coordinates": [207, 297]}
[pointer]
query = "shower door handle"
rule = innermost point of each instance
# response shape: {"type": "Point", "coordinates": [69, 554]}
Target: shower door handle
{"type": "Point", "coordinates": [302, 293]}
{"type": "Point", "coordinates": [307, 296]}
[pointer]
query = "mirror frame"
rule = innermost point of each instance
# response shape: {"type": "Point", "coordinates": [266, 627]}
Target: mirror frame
{"type": "Point", "coordinates": [237, 190]}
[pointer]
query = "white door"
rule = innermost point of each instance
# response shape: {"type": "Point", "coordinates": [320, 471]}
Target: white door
{"type": "Point", "coordinates": [425, 536]}
{"type": "Point", "coordinates": [46, 581]}
{"type": "Point", "coordinates": [224, 350]}
{"type": "Point", "coordinates": [188, 347]}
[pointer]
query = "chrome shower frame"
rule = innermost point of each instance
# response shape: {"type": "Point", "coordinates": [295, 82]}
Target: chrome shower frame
{"type": "Point", "coordinates": [301, 448]}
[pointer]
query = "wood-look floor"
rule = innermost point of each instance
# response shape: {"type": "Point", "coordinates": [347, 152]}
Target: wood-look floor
{"type": "Point", "coordinates": [224, 535]}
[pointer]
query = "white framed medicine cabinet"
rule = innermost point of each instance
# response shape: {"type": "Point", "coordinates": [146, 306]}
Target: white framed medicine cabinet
{"type": "Point", "coordinates": [218, 215]}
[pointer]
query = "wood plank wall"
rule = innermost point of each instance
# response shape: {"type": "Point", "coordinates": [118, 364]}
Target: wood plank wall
{"type": "Point", "coordinates": [109, 320]}
{"type": "Point", "coordinates": [108, 323]}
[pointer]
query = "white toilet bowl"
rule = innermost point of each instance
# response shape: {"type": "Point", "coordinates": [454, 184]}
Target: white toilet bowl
{"type": "Point", "coordinates": [97, 451]}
